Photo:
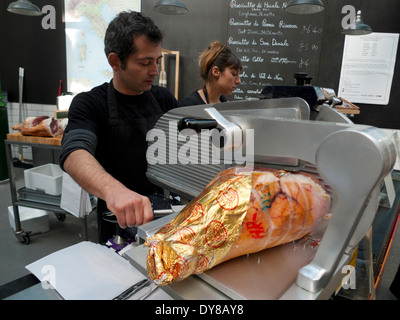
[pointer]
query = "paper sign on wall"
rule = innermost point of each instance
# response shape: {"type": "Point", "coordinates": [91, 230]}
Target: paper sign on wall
{"type": "Point", "coordinates": [368, 67]}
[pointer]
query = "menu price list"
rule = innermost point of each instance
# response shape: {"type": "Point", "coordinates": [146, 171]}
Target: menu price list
{"type": "Point", "coordinates": [273, 45]}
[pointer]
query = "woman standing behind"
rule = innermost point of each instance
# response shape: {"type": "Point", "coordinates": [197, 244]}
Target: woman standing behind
{"type": "Point", "coordinates": [219, 68]}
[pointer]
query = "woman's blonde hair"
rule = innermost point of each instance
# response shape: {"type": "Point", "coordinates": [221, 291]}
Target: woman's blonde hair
{"type": "Point", "coordinates": [218, 55]}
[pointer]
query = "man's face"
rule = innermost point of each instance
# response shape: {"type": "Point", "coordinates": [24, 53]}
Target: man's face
{"type": "Point", "coordinates": [141, 68]}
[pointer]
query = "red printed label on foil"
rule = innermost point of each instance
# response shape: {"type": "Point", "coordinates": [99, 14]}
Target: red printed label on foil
{"type": "Point", "coordinates": [228, 199]}
{"type": "Point", "coordinates": [195, 213]}
{"type": "Point", "coordinates": [216, 234]}
{"type": "Point", "coordinates": [185, 234]}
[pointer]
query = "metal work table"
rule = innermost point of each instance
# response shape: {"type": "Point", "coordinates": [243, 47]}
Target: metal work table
{"type": "Point", "coordinates": [53, 144]}
{"type": "Point", "coordinates": [198, 287]}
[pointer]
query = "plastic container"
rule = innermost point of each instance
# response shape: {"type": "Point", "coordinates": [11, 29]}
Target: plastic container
{"type": "Point", "coordinates": [31, 219]}
{"type": "Point", "coordinates": [46, 178]}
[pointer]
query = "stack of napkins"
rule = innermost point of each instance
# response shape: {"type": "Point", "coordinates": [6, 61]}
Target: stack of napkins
{"type": "Point", "coordinates": [74, 199]}
{"type": "Point", "coordinates": [86, 271]}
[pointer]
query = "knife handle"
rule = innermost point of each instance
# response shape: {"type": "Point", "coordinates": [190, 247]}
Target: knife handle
{"type": "Point", "coordinates": [196, 124]}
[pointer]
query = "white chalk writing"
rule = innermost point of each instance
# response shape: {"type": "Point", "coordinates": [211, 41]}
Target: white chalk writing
{"type": "Point", "coordinates": [271, 44]}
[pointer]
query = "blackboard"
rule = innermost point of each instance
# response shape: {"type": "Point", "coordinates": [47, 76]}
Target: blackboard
{"type": "Point", "coordinates": [273, 45]}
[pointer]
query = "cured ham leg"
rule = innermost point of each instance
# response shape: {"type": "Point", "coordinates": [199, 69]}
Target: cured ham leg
{"type": "Point", "coordinates": [42, 126]}
{"type": "Point", "coordinates": [238, 213]}
{"type": "Point", "coordinates": [29, 123]}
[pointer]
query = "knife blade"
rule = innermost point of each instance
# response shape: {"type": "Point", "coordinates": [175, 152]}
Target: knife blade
{"type": "Point", "coordinates": [144, 292]}
{"type": "Point", "coordinates": [133, 289]}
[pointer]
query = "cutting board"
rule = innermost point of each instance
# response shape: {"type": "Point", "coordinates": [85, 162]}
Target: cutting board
{"type": "Point", "coordinates": [17, 136]}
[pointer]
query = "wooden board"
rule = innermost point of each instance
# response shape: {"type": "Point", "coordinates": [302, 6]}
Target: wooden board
{"type": "Point", "coordinates": [17, 136]}
{"type": "Point", "coordinates": [348, 111]}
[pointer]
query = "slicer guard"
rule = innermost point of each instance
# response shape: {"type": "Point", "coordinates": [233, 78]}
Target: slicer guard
{"type": "Point", "coordinates": [351, 159]}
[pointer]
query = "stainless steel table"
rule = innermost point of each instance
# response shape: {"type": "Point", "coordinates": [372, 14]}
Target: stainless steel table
{"type": "Point", "coordinates": [53, 145]}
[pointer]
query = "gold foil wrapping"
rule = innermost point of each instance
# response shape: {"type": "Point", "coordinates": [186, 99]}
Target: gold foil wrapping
{"type": "Point", "coordinates": [241, 211]}
{"type": "Point", "coordinates": [202, 233]}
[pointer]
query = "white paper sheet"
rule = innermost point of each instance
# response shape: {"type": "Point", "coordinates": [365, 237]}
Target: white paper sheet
{"type": "Point", "coordinates": [73, 197]}
{"type": "Point", "coordinates": [367, 67]}
{"type": "Point", "coordinates": [86, 271]}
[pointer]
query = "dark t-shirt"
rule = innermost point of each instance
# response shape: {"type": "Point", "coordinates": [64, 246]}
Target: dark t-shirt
{"type": "Point", "coordinates": [195, 99]}
{"type": "Point", "coordinates": [88, 115]}
{"type": "Point", "coordinates": [89, 110]}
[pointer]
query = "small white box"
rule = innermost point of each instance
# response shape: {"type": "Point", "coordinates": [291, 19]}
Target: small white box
{"type": "Point", "coordinates": [47, 178]}
{"type": "Point", "coordinates": [32, 219]}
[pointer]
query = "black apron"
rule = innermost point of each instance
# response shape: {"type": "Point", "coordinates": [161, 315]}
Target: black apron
{"type": "Point", "coordinates": [122, 153]}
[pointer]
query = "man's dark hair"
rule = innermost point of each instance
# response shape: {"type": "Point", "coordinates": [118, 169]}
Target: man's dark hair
{"type": "Point", "coordinates": [123, 28]}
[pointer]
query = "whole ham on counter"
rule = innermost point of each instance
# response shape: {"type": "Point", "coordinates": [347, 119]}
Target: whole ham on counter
{"type": "Point", "coordinates": [241, 211]}
{"type": "Point", "coordinates": [42, 126]}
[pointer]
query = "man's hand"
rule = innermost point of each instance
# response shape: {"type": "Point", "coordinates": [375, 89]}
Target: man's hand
{"type": "Point", "coordinates": [130, 208]}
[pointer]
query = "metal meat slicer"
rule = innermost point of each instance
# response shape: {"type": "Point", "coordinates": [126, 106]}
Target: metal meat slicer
{"type": "Point", "coordinates": [351, 160]}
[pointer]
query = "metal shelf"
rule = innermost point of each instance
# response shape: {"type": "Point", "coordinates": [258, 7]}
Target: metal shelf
{"type": "Point", "coordinates": [22, 235]}
{"type": "Point", "coordinates": [43, 206]}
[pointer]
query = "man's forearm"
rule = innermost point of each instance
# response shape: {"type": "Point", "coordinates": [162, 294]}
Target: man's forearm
{"type": "Point", "coordinates": [130, 207]}
{"type": "Point", "coordinates": [89, 174]}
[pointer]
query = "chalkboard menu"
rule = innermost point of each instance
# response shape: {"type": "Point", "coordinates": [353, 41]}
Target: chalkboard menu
{"type": "Point", "coordinates": [273, 45]}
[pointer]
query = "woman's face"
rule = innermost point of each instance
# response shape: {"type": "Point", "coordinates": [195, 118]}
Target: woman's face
{"type": "Point", "coordinates": [227, 80]}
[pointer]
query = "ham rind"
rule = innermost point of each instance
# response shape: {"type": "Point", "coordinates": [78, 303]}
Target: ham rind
{"type": "Point", "coordinates": [280, 207]}
{"type": "Point", "coordinates": [27, 123]}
